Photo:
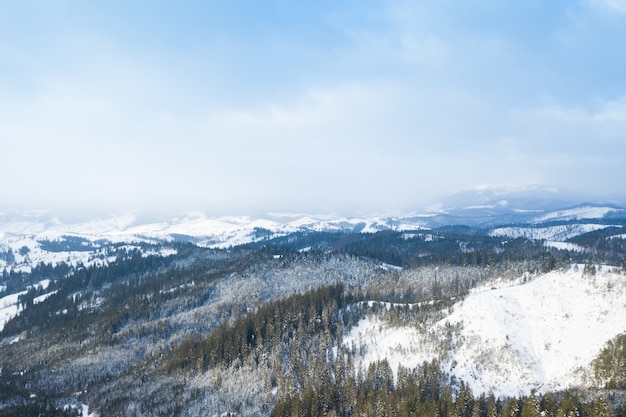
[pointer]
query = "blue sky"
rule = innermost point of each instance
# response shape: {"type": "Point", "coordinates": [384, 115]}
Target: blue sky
{"type": "Point", "coordinates": [247, 107]}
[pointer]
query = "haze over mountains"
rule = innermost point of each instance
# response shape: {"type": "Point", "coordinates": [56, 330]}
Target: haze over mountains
{"type": "Point", "coordinates": [533, 212]}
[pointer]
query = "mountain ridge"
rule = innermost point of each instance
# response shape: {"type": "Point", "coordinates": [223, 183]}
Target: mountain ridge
{"type": "Point", "coordinates": [29, 232]}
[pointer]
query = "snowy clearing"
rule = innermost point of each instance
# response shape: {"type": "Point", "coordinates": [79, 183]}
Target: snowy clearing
{"type": "Point", "coordinates": [404, 346]}
{"type": "Point", "coordinates": [540, 335]}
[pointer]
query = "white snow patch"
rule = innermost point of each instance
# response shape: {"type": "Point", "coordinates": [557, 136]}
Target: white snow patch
{"type": "Point", "coordinates": [389, 267]}
{"type": "Point", "coordinates": [572, 247]}
{"type": "Point", "coordinates": [85, 411]}
{"type": "Point", "coordinates": [407, 236]}
{"type": "Point", "coordinates": [161, 252]}
{"type": "Point", "coordinates": [43, 297]}
{"type": "Point", "coordinates": [43, 284]}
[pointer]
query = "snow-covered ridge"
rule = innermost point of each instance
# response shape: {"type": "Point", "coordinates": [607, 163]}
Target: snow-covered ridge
{"type": "Point", "coordinates": [551, 233]}
{"type": "Point", "coordinates": [30, 229]}
{"type": "Point", "coordinates": [129, 227]}
{"type": "Point", "coordinates": [576, 213]}
{"type": "Point", "coordinates": [579, 220]}
{"type": "Point", "coordinates": [516, 336]}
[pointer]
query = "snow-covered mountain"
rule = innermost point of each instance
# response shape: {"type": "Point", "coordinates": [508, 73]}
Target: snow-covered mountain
{"type": "Point", "coordinates": [528, 213]}
{"type": "Point", "coordinates": [488, 207]}
{"type": "Point", "coordinates": [26, 235]}
{"type": "Point", "coordinates": [208, 231]}
{"type": "Point", "coordinates": [526, 199]}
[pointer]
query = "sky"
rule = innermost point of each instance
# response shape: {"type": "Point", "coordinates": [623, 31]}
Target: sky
{"type": "Point", "coordinates": [352, 107]}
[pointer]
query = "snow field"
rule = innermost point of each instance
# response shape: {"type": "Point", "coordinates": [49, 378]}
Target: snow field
{"type": "Point", "coordinates": [540, 335]}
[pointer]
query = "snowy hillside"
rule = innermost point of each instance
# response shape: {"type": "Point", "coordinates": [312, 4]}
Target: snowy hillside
{"type": "Point", "coordinates": [550, 233]}
{"type": "Point", "coordinates": [540, 335]}
{"type": "Point", "coordinates": [576, 221]}
{"type": "Point", "coordinates": [586, 211]}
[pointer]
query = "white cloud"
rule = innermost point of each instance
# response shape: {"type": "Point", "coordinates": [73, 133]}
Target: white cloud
{"type": "Point", "coordinates": [399, 102]}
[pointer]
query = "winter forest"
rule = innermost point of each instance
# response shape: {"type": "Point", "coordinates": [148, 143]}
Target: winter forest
{"type": "Point", "coordinates": [319, 324]}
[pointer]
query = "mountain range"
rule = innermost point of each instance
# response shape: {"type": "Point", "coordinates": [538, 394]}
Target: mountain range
{"type": "Point", "coordinates": [504, 294]}
{"type": "Point", "coordinates": [535, 213]}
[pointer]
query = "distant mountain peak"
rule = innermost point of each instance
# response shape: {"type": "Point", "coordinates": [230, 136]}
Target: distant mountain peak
{"type": "Point", "coordinates": [528, 197]}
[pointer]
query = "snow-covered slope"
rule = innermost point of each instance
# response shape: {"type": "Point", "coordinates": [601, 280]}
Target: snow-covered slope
{"type": "Point", "coordinates": [558, 233]}
{"type": "Point", "coordinates": [540, 335]}
{"type": "Point", "coordinates": [586, 211]}
{"type": "Point", "coordinates": [560, 225]}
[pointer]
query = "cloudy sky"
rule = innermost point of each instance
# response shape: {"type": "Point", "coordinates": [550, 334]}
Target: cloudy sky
{"type": "Point", "coordinates": [355, 106]}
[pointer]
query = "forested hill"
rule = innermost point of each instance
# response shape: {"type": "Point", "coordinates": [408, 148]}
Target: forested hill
{"type": "Point", "coordinates": [450, 321]}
